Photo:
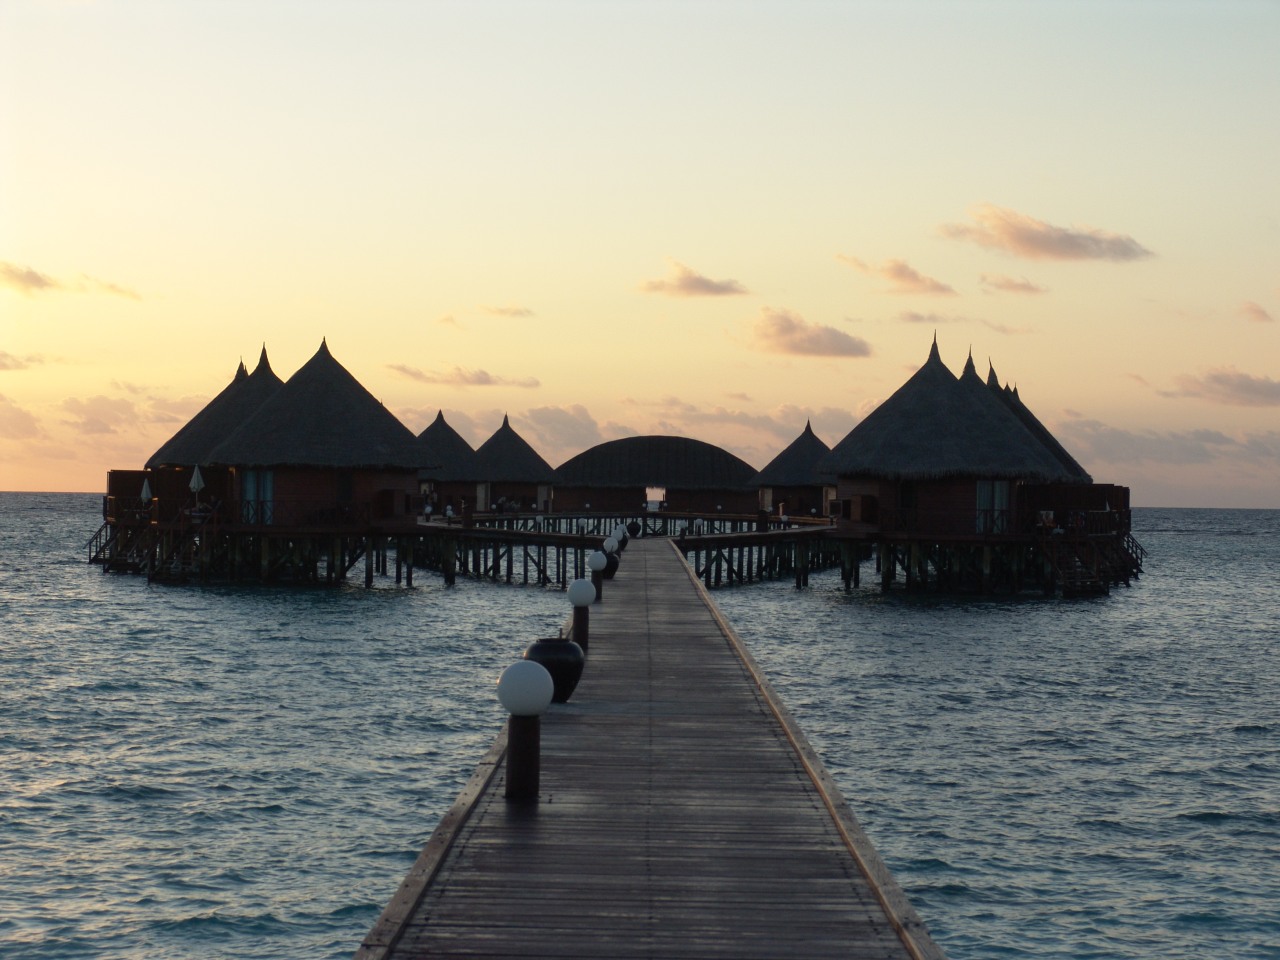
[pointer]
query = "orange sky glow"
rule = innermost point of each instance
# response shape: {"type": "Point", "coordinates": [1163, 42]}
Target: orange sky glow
{"type": "Point", "coordinates": [715, 220]}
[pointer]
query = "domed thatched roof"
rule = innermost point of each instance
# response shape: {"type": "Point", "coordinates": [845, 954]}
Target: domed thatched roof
{"type": "Point", "coordinates": [220, 418]}
{"type": "Point", "coordinates": [797, 465]}
{"type": "Point", "coordinates": [446, 457]}
{"type": "Point", "coordinates": [321, 417]}
{"type": "Point", "coordinates": [677, 463]}
{"type": "Point", "coordinates": [937, 426]}
{"type": "Point", "coordinates": [506, 457]}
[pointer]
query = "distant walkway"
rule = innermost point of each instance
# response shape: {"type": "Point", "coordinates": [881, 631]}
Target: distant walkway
{"type": "Point", "coordinates": [682, 815]}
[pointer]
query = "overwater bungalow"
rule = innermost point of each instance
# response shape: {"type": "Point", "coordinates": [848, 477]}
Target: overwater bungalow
{"type": "Point", "coordinates": [511, 475]}
{"type": "Point", "coordinates": [960, 487]}
{"type": "Point", "coordinates": [793, 483]}
{"type": "Point", "coordinates": [292, 481]}
{"type": "Point", "coordinates": [448, 478]}
{"type": "Point", "coordinates": [656, 472]}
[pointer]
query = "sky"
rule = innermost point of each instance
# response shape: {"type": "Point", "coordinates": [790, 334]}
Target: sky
{"type": "Point", "coordinates": [717, 220]}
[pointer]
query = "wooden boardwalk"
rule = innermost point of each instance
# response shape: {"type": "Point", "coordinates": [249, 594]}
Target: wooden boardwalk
{"type": "Point", "coordinates": [682, 814]}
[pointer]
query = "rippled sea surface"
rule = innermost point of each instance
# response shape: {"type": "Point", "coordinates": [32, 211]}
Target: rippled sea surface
{"type": "Point", "coordinates": [199, 772]}
{"type": "Point", "coordinates": [1046, 778]}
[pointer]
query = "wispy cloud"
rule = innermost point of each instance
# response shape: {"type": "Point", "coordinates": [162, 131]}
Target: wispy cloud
{"type": "Point", "coordinates": [100, 414]}
{"type": "Point", "coordinates": [10, 362]}
{"type": "Point", "coordinates": [458, 377]}
{"type": "Point", "coordinates": [999, 228]}
{"type": "Point", "coordinates": [560, 429]}
{"type": "Point", "coordinates": [509, 311]}
{"type": "Point", "coordinates": [996, 283]}
{"type": "Point", "coordinates": [1255, 312]}
{"type": "Point", "coordinates": [902, 277]}
{"type": "Point", "coordinates": [937, 319]}
{"type": "Point", "coordinates": [1093, 441]}
{"type": "Point", "coordinates": [1230, 387]}
{"type": "Point", "coordinates": [780, 331]}
{"type": "Point", "coordinates": [25, 280]}
{"type": "Point", "coordinates": [28, 282]}
{"type": "Point", "coordinates": [783, 424]}
{"type": "Point", "coordinates": [15, 422]}
{"type": "Point", "coordinates": [933, 319]}
{"type": "Point", "coordinates": [684, 282]}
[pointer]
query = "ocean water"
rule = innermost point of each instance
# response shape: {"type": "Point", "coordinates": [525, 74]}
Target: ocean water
{"type": "Point", "coordinates": [201, 772]}
{"type": "Point", "coordinates": [205, 772]}
{"type": "Point", "coordinates": [1048, 778]}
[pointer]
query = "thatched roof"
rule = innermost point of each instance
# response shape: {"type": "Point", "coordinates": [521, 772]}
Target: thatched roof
{"type": "Point", "coordinates": [797, 465]}
{"type": "Point", "coordinates": [220, 418]}
{"type": "Point", "coordinates": [506, 457]}
{"type": "Point", "coordinates": [677, 463]}
{"type": "Point", "coordinates": [1029, 420]}
{"type": "Point", "coordinates": [321, 417]}
{"type": "Point", "coordinates": [445, 456]}
{"type": "Point", "coordinates": [937, 426]}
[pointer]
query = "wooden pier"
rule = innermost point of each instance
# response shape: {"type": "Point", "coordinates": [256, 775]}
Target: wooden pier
{"type": "Point", "coordinates": [681, 814]}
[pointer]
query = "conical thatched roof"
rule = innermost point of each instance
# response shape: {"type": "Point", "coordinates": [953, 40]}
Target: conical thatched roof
{"type": "Point", "coordinates": [506, 457]}
{"type": "Point", "coordinates": [445, 456]}
{"type": "Point", "coordinates": [220, 418]}
{"type": "Point", "coordinates": [937, 426]}
{"type": "Point", "coordinates": [321, 417]}
{"type": "Point", "coordinates": [1038, 430]}
{"type": "Point", "coordinates": [677, 463]}
{"type": "Point", "coordinates": [797, 465]}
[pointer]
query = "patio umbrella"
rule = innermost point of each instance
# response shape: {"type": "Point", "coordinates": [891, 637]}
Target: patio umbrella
{"type": "Point", "coordinates": [197, 481]}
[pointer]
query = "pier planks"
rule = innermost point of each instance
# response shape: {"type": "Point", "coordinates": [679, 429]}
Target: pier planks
{"type": "Point", "coordinates": [682, 815]}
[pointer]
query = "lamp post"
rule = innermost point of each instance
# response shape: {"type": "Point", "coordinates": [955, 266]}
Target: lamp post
{"type": "Point", "coordinates": [610, 547]}
{"type": "Point", "coordinates": [597, 562]}
{"type": "Point", "coordinates": [524, 690]}
{"type": "Point", "coordinates": [581, 594]}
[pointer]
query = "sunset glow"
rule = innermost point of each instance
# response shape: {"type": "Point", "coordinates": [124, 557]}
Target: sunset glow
{"type": "Point", "coordinates": [715, 220]}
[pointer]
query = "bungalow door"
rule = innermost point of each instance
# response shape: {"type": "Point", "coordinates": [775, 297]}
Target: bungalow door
{"type": "Point", "coordinates": [257, 496]}
{"type": "Point", "coordinates": [992, 506]}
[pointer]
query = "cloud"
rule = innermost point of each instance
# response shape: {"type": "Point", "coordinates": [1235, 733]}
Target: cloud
{"type": "Point", "coordinates": [936, 319]}
{"type": "Point", "coordinates": [28, 282]}
{"type": "Point", "coordinates": [1093, 441]}
{"type": "Point", "coordinates": [1004, 328]}
{"type": "Point", "coordinates": [16, 423]}
{"type": "Point", "coordinates": [1016, 233]}
{"type": "Point", "coordinates": [457, 377]}
{"type": "Point", "coordinates": [685, 283]}
{"type": "Point", "coordinates": [113, 288]}
{"type": "Point", "coordinates": [1255, 313]}
{"type": "Point", "coordinates": [911, 316]}
{"type": "Point", "coordinates": [779, 331]}
{"type": "Point", "coordinates": [25, 280]}
{"type": "Point", "coordinates": [784, 423]}
{"type": "Point", "coordinates": [10, 362]}
{"type": "Point", "coordinates": [100, 415]}
{"type": "Point", "coordinates": [902, 277]}
{"type": "Point", "coordinates": [1230, 387]}
{"type": "Point", "coordinates": [561, 429]}
{"type": "Point", "coordinates": [509, 311]}
{"type": "Point", "coordinates": [996, 283]}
